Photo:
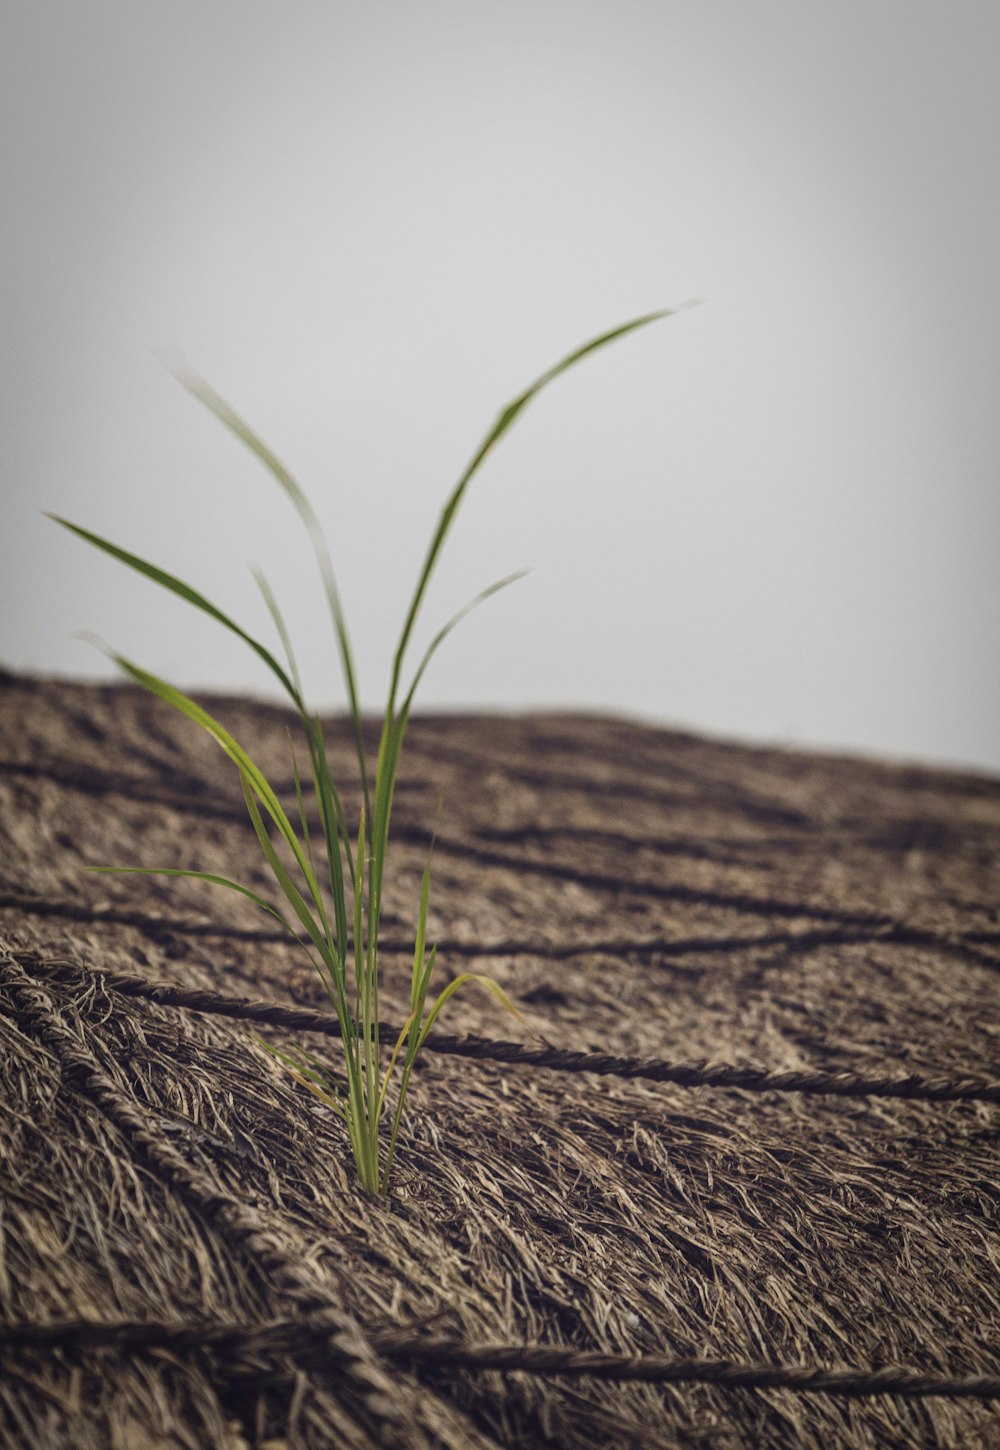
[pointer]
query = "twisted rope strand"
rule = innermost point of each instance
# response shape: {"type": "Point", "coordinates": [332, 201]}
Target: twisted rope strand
{"type": "Point", "coordinates": [914, 1086]}
{"type": "Point", "coordinates": [308, 1341]}
{"type": "Point", "coordinates": [264, 1240]}
{"type": "Point", "coordinates": [965, 945]}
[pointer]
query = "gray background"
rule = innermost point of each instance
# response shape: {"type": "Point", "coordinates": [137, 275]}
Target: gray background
{"type": "Point", "coordinates": [775, 516]}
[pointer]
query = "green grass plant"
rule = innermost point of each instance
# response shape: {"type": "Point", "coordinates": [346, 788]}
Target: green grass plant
{"type": "Point", "coordinates": [332, 879]}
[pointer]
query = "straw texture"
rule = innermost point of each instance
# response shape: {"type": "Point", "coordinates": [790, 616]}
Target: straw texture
{"type": "Point", "coordinates": [677, 1213]}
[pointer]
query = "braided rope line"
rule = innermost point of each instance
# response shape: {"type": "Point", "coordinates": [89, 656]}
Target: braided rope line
{"type": "Point", "coordinates": [914, 1086]}
{"type": "Point", "coordinates": [966, 947]}
{"type": "Point", "coordinates": [92, 781]}
{"type": "Point", "coordinates": [308, 1341]}
{"type": "Point", "coordinates": [158, 790]}
{"type": "Point", "coordinates": [261, 1238]}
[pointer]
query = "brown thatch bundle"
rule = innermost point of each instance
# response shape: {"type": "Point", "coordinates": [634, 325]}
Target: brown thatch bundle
{"type": "Point", "coordinates": [584, 1251]}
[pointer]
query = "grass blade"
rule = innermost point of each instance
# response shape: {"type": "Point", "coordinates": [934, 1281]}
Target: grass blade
{"type": "Point", "coordinates": [303, 820]}
{"type": "Point", "coordinates": [493, 987]}
{"type": "Point", "coordinates": [506, 418]}
{"type": "Point", "coordinates": [279, 624]}
{"type": "Point", "coordinates": [200, 389]}
{"type": "Point", "coordinates": [320, 940]}
{"type": "Point", "coordinates": [359, 946]}
{"type": "Point", "coordinates": [362, 1102]}
{"type": "Point", "coordinates": [419, 947]}
{"type": "Point", "coordinates": [185, 591]}
{"type": "Point", "coordinates": [446, 629]}
{"type": "Point", "coordinates": [316, 1082]}
{"type": "Point", "coordinates": [198, 876]}
{"type": "Point", "coordinates": [179, 701]}
{"type": "Point", "coordinates": [404, 1033]}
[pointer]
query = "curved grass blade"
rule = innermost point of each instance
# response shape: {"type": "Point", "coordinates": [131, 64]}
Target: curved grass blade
{"type": "Point", "coordinates": [394, 724]}
{"type": "Point", "coordinates": [314, 1081]}
{"type": "Point", "coordinates": [334, 980]}
{"type": "Point", "coordinates": [200, 389]}
{"type": "Point", "coordinates": [327, 795]}
{"type": "Point", "coordinates": [493, 987]}
{"type": "Point", "coordinates": [506, 418]}
{"type": "Point", "coordinates": [303, 819]}
{"type": "Point", "coordinates": [183, 703]}
{"type": "Point", "coordinates": [404, 1033]}
{"type": "Point", "coordinates": [192, 596]}
{"type": "Point", "coordinates": [416, 1042]}
{"type": "Point", "coordinates": [295, 899]}
{"type": "Point", "coordinates": [446, 629]}
{"type": "Point", "coordinates": [255, 783]}
{"type": "Point", "coordinates": [279, 623]}
{"type": "Point", "coordinates": [199, 876]}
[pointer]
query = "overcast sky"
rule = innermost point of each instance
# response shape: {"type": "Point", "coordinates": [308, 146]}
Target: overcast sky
{"type": "Point", "coordinates": [775, 516]}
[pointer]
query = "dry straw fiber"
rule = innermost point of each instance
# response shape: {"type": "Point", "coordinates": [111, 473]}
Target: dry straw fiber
{"type": "Point", "coordinates": [735, 1184]}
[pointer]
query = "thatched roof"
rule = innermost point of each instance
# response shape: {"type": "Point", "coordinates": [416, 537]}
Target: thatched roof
{"type": "Point", "coordinates": [185, 1258]}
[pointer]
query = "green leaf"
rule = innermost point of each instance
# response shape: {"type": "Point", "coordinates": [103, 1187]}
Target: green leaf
{"type": "Point", "coordinates": [446, 629]}
{"type": "Point", "coordinates": [198, 876]}
{"type": "Point", "coordinates": [186, 706]}
{"type": "Point", "coordinates": [419, 947]}
{"type": "Point", "coordinates": [295, 898]}
{"type": "Point", "coordinates": [506, 418]}
{"type": "Point", "coordinates": [184, 591]}
{"type": "Point", "coordinates": [279, 623]}
{"type": "Point", "coordinates": [493, 987]}
{"type": "Point", "coordinates": [315, 1081]}
{"type": "Point", "coordinates": [200, 389]}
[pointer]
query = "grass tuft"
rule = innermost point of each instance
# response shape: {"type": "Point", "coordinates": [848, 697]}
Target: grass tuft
{"type": "Point", "coordinates": [343, 865]}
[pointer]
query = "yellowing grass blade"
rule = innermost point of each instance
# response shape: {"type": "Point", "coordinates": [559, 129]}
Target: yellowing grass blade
{"type": "Point", "coordinates": [493, 987]}
{"type": "Point", "coordinates": [307, 1077]}
{"type": "Point", "coordinates": [404, 1032]}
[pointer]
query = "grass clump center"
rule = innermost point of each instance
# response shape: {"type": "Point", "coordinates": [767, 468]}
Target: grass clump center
{"type": "Point", "coordinates": [332, 878]}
